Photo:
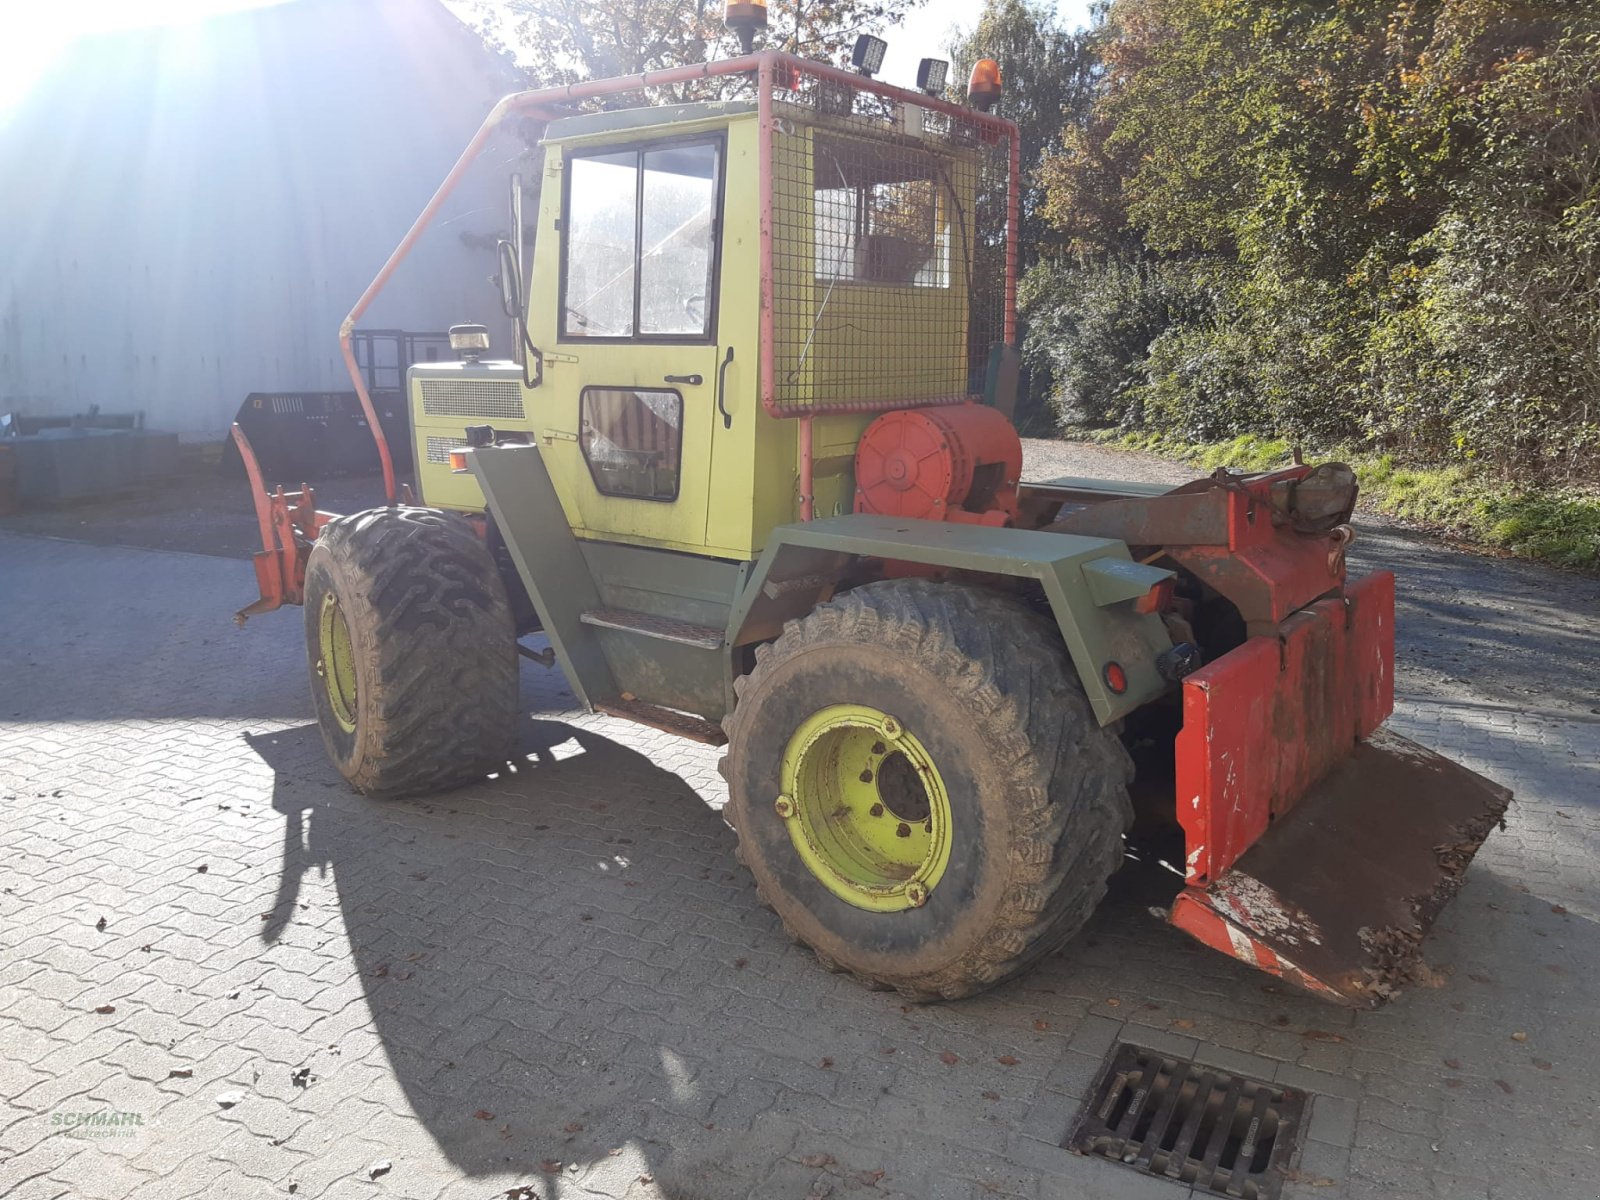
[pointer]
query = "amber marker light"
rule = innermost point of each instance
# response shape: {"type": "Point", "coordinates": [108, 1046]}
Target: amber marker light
{"type": "Point", "coordinates": [985, 86]}
{"type": "Point", "coordinates": [746, 18]}
{"type": "Point", "coordinates": [458, 462]}
{"type": "Point", "coordinates": [1157, 599]}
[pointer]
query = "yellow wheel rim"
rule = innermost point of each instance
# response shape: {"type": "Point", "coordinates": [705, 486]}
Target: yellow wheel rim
{"type": "Point", "coordinates": [866, 808]}
{"type": "Point", "coordinates": [336, 663]}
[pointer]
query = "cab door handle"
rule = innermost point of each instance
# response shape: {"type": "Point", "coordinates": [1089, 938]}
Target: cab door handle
{"type": "Point", "coordinates": [722, 390]}
{"type": "Point", "coordinates": [691, 380]}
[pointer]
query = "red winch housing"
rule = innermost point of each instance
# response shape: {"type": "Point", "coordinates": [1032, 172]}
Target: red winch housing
{"type": "Point", "coordinates": [954, 462]}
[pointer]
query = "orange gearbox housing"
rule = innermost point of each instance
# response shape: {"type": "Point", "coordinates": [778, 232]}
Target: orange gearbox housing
{"type": "Point", "coordinates": [957, 462]}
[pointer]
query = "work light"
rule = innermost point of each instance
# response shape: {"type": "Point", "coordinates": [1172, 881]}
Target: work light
{"type": "Point", "coordinates": [867, 57]}
{"type": "Point", "coordinates": [932, 73]}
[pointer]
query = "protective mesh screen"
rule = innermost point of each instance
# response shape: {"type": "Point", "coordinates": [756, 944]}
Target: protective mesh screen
{"type": "Point", "coordinates": [889, 250]}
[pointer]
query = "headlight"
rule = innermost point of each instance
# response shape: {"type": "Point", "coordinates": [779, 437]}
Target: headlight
{"type": "Point", "coordinates": [469, 341]}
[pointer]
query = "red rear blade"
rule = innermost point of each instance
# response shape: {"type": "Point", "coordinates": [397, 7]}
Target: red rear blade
{"type": "Point", "coordinates": [1338, 894]}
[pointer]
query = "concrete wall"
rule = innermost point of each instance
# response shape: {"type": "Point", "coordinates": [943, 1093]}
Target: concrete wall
{"type": "Point", "coordinates": [187, 212]}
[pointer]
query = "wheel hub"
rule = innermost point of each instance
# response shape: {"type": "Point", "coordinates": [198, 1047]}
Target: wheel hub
{"type": "Point", "coordinates": [336, 664]}
{"type": "Point", "coordinates": [866, 808]}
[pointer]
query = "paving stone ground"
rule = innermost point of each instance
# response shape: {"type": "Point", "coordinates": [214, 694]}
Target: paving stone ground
{"type": "Point", "coordinates": [560, 980]}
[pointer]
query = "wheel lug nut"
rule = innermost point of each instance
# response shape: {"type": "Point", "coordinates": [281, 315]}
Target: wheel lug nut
{"type": "Point", "coordinates": [904, 830]}
{"type": "Point", "coordinates": [784, 807]}
{"type": "Point", "coordinates": [927, 827]}
{"type": "Point", "coordinates": [866, 776]}
{"type": "Point", "coordinates": [879, 748]}
{"type": "Point", "coordinates": [876, 810]}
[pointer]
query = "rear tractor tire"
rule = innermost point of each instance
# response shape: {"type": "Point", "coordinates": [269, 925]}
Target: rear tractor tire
{"type": "Point", "coordinates": [921, 788]}
{"type": "Point", "coordinates": [412, 651]}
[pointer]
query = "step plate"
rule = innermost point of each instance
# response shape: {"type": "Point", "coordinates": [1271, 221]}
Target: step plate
{"type": "Point", "coordinates": [663, 629]}
{"type": "Point", "coordinates": [1337, 896]}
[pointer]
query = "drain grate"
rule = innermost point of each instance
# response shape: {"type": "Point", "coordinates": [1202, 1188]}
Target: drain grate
{"type": "Point", "coordinates": [1184, 1121]}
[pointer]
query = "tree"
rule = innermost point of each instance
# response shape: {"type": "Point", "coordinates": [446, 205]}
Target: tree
{"type": "Point", "coordinates": [1384, 216]}
{"type": "Point", "coordinates": [1050, 75]}
{"type": "Point", "coordinates": [564, 41]}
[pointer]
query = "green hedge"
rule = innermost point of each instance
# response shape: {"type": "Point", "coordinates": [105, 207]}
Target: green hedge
{"type": "Point", "coordinates": [1376, 222]}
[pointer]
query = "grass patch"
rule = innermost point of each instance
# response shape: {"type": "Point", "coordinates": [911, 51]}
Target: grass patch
{"type": "Point", "coordinates": [1554, 525]}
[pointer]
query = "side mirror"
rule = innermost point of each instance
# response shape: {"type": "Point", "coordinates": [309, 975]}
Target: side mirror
{"type": "Point", "coordinates": [510, 281]}
{"type": "Point", "coordinates": [512, 301]}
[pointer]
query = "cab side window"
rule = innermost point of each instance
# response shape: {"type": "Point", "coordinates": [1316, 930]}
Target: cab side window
{"type": "Point", "coordinates": [639, 257]}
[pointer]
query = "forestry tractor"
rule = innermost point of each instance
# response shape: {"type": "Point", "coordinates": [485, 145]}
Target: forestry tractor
{"type": "Point", "coordinates": [751, 472]}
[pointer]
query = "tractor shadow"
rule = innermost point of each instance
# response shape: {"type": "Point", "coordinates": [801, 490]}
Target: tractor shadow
{"type": "Point", "coordinates": [573, 949]}
{"type": "Point", "coordinates": [545, 957]}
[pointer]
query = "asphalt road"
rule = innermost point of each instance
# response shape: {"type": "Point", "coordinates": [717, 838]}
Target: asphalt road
{"type": "Point", "coordinates": [202, 512]}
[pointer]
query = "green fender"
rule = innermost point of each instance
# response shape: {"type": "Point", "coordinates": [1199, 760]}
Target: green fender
{"type": "Point", "coordinates": [1091, 584]}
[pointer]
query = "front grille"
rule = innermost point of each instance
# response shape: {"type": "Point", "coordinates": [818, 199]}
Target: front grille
{"type": "Point", "coordinates": [439, 448]}
{"type": "Point", "coordinates": [489, 398]}
{"type": "Point", "coordinates": [288, 404]}
{"type": "Point", "coordinates": [1219, 1132]}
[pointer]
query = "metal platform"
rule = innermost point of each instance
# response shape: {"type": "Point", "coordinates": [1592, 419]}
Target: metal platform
{"type": "Point", "coordinates": [663, 629]}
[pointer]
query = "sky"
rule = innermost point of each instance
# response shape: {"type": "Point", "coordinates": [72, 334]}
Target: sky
{"type": "Point", "coordinates": [32, 35]}
{"type": "Point", "coordinates": [926, 33]}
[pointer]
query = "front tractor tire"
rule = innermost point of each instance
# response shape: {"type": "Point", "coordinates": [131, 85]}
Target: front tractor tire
{"type": "Point", "coordinates": [921, 789]}
{"type": "Point", "coordinates": [412, 651]}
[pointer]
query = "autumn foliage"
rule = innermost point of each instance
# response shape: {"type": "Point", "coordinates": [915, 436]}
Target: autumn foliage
{"type": "Point", "coordinates": [1370, 221]}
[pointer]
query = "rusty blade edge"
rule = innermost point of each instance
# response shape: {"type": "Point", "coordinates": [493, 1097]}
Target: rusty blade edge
{"type": "Point", "coordinates": [1396, 952]}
